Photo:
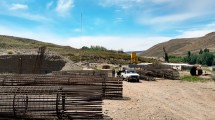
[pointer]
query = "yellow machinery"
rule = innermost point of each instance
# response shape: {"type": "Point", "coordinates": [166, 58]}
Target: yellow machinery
{"type": "Point", "coordinates": [134, 57]}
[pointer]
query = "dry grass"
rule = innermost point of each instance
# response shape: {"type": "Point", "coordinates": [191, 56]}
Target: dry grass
{"type": "Point", "coordinates": [181, 46]}
{"type": "Point", "coordinates": [27, 45]}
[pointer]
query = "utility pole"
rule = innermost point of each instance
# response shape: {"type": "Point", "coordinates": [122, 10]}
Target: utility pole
{"type": "Point", "coordinates": [81, 36]}
{"type": "Point", "coordinates": [39, 60]}
{"type": "Point", "coordinates": [20, 65]}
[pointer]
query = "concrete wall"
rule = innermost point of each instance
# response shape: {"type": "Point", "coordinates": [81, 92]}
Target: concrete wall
{"type": "Point", "coordinates": [11, 64]}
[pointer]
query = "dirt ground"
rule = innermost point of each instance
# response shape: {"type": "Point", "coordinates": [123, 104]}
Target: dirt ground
{"type": "Point", "coordinates": [164, 100]}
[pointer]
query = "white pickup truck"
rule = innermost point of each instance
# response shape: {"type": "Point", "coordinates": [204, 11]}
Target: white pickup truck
{"type": "Point", "coordinates": [130, 75]}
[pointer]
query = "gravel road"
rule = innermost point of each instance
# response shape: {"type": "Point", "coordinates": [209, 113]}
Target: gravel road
{"type": "Point", "coordinates": [164, 100]}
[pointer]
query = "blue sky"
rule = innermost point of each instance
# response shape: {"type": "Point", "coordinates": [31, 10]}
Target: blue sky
{"type": "Point", "coordinates": [114, 24]}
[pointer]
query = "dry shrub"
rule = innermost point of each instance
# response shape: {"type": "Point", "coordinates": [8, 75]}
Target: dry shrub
{"type": "Point", "coordinates": [10, 52]}
{"type": "Point", "coordinates": [213, 76]}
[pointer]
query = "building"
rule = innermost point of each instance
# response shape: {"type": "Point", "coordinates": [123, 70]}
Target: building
{"type": "Point", "coordinates": [179, 66]}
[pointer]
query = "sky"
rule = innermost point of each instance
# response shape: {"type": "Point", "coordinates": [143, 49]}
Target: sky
{"type": "Point", "coordinates": [128, 25]}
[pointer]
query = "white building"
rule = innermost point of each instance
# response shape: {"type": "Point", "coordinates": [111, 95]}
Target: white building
{"type": "Point", "coordinates": [179, 66]}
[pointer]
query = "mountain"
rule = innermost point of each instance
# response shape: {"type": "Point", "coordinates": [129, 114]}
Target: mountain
{"type": "Point", "coordinates": [17, 45]}
{"type": "Point", "coordinates": [138, 52]}
{"type": "Point", "coordinates": [180, 47]}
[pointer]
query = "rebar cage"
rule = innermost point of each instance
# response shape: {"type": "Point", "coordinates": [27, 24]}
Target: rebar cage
{"type": "Point", "coordinates": [112, 87]}
{"type": "Point", "coordinates": [59, 96]}
{"type": "Point", "coordinates": [39, 102]}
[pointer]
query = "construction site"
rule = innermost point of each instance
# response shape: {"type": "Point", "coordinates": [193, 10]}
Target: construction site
{"type": "Point", "coordinates": [45, 86]}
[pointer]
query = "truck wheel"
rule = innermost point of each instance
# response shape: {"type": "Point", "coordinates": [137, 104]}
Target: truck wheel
{"type": "Point", "coordinates": [138, 80]}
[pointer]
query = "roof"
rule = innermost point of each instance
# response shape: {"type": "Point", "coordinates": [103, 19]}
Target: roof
{"type": "Point", "coordinates": [181, 64]}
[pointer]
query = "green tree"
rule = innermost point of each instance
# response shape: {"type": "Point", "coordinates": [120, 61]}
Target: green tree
{"type": "Point", "coordinates": [85, 48]}
{"type": "Point", "coordinates": [204, 57]}
{"type": "Point", "coordinates": [207, 58]}
{"type": "Point", "coordinates": [214, 61]}
{"type": "Point", "coordinates": [187, 58]}
{"type": "Point", "coordinates": [206, 50]}
{"type": "Point", "coordinates": [98, 48]}
{"type": "Point", "coordinates": [193, 59]}
{"type": "Point", "coordinates": [199, 59]}
{"type": "Point", "coordinates": [201, 51]}
{"type": "Point", "coordinates": [188, 53]}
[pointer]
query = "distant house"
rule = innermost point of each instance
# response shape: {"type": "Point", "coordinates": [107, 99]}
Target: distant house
{"type": "Point", "coordinates": [142, 65]}
{"type": "Point", "coordinates": [176, 66]}
{"type": "Point", "coordinates": [179, 66]}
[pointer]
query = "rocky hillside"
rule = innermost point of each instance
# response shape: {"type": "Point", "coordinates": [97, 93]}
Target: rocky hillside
{"type": "Point", "coordinates": [182, 46]}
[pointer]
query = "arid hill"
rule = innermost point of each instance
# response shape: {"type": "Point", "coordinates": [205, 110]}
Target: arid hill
{"type": "Point", "coordinates": [17, 45]}
{"type": "Point", "coordinates": [180, 47]}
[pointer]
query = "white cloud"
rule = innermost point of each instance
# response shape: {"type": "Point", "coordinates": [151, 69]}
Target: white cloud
{"type": "Point", "coordinates": [116, 42]}
{"type": "Point", "coordinates": [163, 12]}
{"type": "Point", "coordinates": [126, 43]}
{"type": "Point", "coordinates": [34, 17]}
{"type": "Point", "coordinates": [38, 33]}
{"type": "Point", "coordinates": [167, 19]}
{"type": "Point", "coordinates": [49, 4]}
{"type": "Point", "coordinates": [123, 4]}
{"type": "Point", "coordinates": [118, 20]}
{"type": "Point", "coordinates": [63, 6]}
{"type": "Point", "coordinates": [110, 42]}
{"type": "Point", "coordinates": [19, 7]}
{"type": "Point", "coordinates": [77, 30]}
{"type": "Point", "coordinates": [20, 11]}
{"type": "Point", "coordinates": [99, 21]}
{"type": "Point", "coordinates": [161, 1]}
{"type": "Point", "coordinates": [194, 33]}
{"type": "Point", "coordinates": [28, 16]}
{"type": "Point", "coordinates": [211, 25]}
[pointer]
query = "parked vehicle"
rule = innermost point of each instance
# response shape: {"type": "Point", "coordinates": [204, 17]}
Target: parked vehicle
{"type": "Point", "coordinates": [130, 75]}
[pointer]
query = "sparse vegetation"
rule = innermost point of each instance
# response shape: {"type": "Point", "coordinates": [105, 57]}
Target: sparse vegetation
{"type": "Point", "coordinates": [194, 79]}
{"type": "Point", "coordinates": [204, 57]}
{"type": "Point", "coordinates": [95, 48]}
{"type": "Point", "coordinates": [10, 52]}
{"type": "Point", "coordinates": [92, 54]}
{"type": "Point", "coordinates": [176, 59]}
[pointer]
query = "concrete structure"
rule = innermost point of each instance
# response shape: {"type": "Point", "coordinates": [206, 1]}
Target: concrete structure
{"type": "Point", "coordinates": [12, 64]}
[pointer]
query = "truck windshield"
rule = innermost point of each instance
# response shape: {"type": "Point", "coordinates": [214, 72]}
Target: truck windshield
{"type": "Point", "coordinates": [131, 71]}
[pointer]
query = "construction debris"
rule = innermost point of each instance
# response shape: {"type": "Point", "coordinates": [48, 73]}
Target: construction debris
{"type": "Point", "coordinates": [158, 71]}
